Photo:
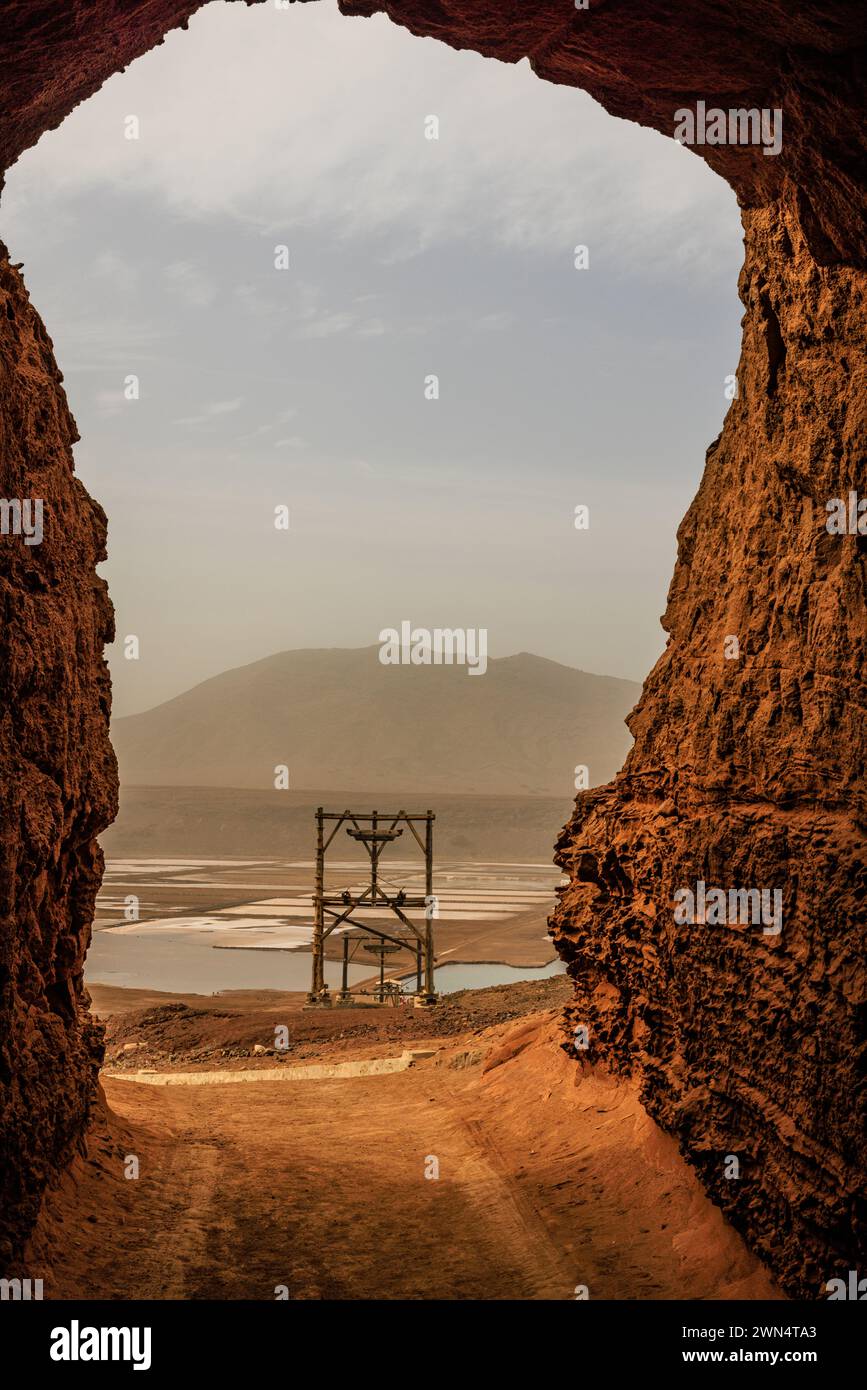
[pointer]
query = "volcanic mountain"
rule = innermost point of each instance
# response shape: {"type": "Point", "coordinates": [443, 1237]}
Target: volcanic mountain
{"type": "Point", "coordinates": [340, 720]}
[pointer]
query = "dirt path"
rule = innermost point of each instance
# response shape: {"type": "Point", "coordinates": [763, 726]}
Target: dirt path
{"type": "Point", "coordinates": [320, 1187]}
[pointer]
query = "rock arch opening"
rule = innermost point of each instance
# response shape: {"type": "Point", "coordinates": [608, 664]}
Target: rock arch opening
{"type": "Point", "coordinates": [743, 773]}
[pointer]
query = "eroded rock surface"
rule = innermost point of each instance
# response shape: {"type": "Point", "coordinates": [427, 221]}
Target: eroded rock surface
{"type": "Point", "coordinates": [745, 773]}
{"type": "Point", "coordinates": [749, 772]}
{"type": "Point", "coordinates": [58, 779]}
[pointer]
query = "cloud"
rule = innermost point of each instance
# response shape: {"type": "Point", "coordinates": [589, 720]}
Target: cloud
{"type": "Point", "coordinates": [212, 411]}
{"type": "Point", "coordinates": [281, 119]}
{"type": "Point", "coordinates": [493, 323]}
{"type": "Point", "coordinates": [105, 342]}
{"type": "Point", "coordinates": [188, 281]}
{"type": "Point", "coordinates": [116, 272]}
{"type": "Point", "coordinates": [108, 403]}
{"type": "Point", "coordinates": [329, 325]}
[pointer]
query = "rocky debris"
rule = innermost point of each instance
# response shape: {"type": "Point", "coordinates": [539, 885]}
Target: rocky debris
{"type": "Point", "coordinates": [177, 1034]}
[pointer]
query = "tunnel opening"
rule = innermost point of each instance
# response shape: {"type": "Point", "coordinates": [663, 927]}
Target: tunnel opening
{"type": "Point", "coordinates": [780, 795]}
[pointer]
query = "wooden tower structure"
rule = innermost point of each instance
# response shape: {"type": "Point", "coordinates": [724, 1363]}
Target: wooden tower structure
{"type": "Point", "coordinates": [375, 830]}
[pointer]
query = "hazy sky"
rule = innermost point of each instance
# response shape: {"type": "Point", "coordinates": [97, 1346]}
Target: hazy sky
{"type": "Point", "coordinates": [305, 387]}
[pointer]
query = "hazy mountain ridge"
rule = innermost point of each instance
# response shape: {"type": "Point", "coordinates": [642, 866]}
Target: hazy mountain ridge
{"type": "Point", "coordinates": [339, 719]}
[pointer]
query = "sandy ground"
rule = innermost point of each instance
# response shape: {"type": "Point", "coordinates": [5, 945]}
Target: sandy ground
{"type": "Point", "coordinates": [548, 1178]}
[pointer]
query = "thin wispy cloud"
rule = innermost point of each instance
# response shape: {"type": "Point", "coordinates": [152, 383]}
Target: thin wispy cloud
{"type": "Point", "coordinates": [305, 386]}
{"type": "Point", "coordinates": [212, 412]}
{"type": "Point", "coordinates": [525, 164]}
{"type": "Point", "coordinates": [191, 284]}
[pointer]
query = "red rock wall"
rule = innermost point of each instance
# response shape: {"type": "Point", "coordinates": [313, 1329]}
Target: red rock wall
{"type": "Point", "coordinates": [58, 779]}
{"type": "Point", "coordinates": [744, 773]}
{"type": "Point", "coordinates": [750, 772]}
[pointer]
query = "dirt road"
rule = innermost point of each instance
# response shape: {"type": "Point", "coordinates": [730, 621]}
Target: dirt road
{"type": "Point", "coordinates": [320, 1187]}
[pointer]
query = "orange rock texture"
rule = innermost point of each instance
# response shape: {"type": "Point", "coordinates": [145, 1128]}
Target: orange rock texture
{"type": "Point", "coordinates": [748, 773]}
{"type": "Point", "coordinates": [58, 780]}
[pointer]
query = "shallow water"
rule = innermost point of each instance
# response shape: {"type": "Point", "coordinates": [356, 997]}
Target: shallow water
{"type": "Point", "coordinates": [189, 907]}
{"type": "Point", "coordinates": [460, 975]}
{"type": "Point", "coordinates": [186, 964]}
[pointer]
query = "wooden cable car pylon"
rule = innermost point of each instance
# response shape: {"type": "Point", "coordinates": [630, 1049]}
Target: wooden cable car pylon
{"type": "Point", "coordinates": [375, 830]}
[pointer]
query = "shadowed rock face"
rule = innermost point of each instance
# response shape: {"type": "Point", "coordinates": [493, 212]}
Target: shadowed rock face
{"type": "Point", "coordinates": [57, 772]}
{"type": "Point", "coordinates": [746, 773]}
